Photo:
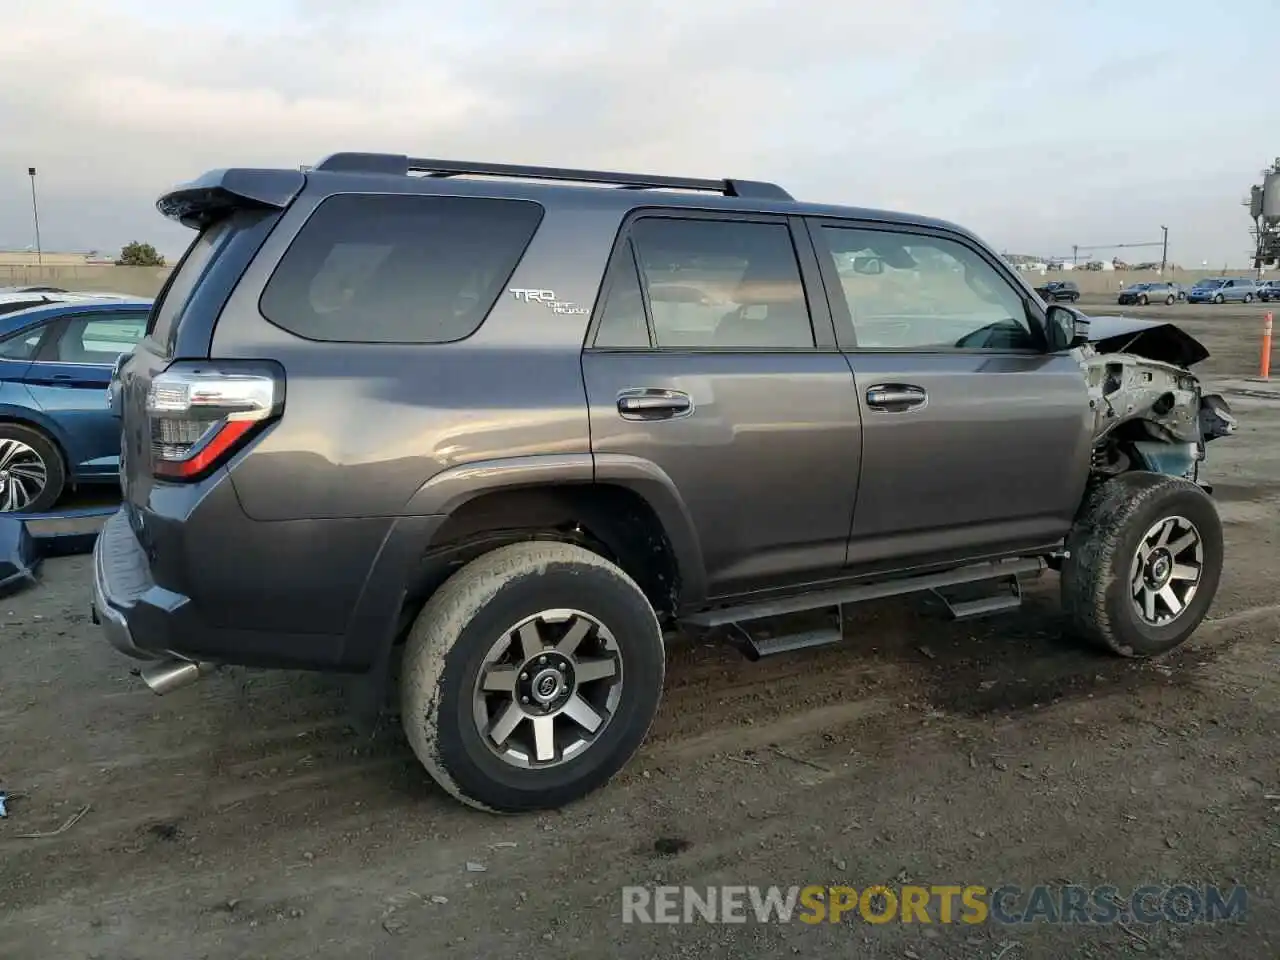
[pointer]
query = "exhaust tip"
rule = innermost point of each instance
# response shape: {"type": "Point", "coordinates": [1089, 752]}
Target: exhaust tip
{"type": "Point", "coordinates": [172, 675]}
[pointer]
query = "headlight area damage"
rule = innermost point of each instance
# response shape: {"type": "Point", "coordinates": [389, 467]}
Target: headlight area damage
{"type": "Point", "coordinates": [1150, 412]}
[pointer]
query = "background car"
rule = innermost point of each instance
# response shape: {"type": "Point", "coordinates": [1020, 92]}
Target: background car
{"type": "Point", "coordinates": [1269, 290]}
{"type": "Point", "coordinates": [1223, 290]}
{"type": "Point", "coordinates": [56, 429]}
{"type": "Point", "coordinates": [1144, 293]}
{"type": "Point", "coordinates": [1056, 290]}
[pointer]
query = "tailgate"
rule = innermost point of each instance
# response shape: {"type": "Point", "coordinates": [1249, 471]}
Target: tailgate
{"type": "Point", "coordinates": [232, 211]}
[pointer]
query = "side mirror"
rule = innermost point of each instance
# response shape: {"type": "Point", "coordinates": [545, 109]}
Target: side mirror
{"type": "Point", "coordinates": [1068, 328]}
{"type": "Point", "coordinates": [871, 266]}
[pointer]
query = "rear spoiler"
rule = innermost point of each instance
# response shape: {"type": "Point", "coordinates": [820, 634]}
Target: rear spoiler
{"type": "Point", "coordinates": [217, 193]}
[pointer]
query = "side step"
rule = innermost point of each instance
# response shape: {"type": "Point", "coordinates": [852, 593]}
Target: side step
{"type": "Point", "coordinates": [763, 642]}
{"type": "Point", "coordinates": [1010, 599]}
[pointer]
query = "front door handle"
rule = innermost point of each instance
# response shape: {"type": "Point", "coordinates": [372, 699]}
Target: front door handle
{"type": "Point", "coordinates": [896, 397]}
{"type": "Point", "coordinates": [645, 403]}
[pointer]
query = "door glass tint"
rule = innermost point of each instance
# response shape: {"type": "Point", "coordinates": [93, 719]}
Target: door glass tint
{"type": "Point", "coordinates": [100, 338]}
{"type": "Point", "coordinates": [398, 269]}
{"type": "Point", "coordinates": [722, 284]}
{"type": "Point", "coordinates": [915, 292]}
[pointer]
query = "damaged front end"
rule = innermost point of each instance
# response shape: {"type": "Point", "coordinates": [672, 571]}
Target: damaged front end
{"type": "Point", "coordinates": [1150, 412]}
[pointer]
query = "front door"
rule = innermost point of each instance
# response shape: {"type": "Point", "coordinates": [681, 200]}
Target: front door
{"type": "Point", "coordinates": [706, 361]}
{"type": "Point", "coordinates": [975, 440]}
{"type": "Point", "coordinates": [68, 381]}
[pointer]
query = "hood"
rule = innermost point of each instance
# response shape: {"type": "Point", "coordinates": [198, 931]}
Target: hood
{"type": "Point", "coordinates": [1145, 338]}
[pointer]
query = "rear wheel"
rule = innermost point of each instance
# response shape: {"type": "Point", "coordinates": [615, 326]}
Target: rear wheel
{"type": "Point", "coordinates": [1248, 298]}
{"type": "Point", "coordinates": [1219, 299]}
{"type": "Point", "coordinates": [32, 475]}
{"type": "Point", "coordinates": [1169, 300]}
{"type": "Point", "coordinates": [531, 677]}
{"type": "Point", "coordinates": [1144, 561]}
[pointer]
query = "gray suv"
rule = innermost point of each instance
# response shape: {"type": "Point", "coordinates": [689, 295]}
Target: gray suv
{"type": "Point", "coordinates": [512, 426]}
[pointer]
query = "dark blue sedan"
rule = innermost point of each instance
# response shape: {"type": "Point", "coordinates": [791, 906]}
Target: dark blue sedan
{"type": "Point", "coordinates": [56, 430]}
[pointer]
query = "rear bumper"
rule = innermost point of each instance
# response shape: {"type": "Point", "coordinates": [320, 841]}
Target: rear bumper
{"type": "Point", "coordinates": [120, 577]}
{"type": "Point", "coordinates": [146, 621]}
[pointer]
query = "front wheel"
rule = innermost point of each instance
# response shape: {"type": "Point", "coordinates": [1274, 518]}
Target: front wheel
{"type": "Point", "coordinates": [32, 476]}
{"type": "Point", "coordinates": [1144, 560]}
{"type": "Point", "coordinates": [531, 677]}
{"type": "Point", "coordinates": [1248, 298]}
{"type": "Point", "coordinates": [1169, 300]}
{"type": "Point", "coordinates": [1219, 299]}
{"type": "Point", "coordinates": [1143, 301]}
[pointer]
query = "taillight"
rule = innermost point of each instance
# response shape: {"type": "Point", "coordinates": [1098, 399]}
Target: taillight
{"type": "Point", "coordinates": [200, 415]}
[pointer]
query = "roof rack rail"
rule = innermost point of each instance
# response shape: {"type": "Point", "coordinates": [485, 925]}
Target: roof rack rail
{"type": "Point", "coordinates": [390, 163]}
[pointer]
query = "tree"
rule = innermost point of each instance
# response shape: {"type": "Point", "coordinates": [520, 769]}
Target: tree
{"type": "Point", "coordinates": [139, 255]}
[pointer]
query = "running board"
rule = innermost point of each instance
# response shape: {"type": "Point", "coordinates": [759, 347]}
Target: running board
{"type": "Point", "coordinates": [984, 606]}
{"type": "Point", "coordinates": [858, 592]}
{"type": "Point", "coordinates": [761, 643]}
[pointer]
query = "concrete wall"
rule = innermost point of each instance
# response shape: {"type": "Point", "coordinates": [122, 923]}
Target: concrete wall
{"type": "Point", "coordinates": [136, 281]}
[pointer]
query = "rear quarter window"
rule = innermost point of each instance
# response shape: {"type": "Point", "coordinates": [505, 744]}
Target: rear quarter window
{"type": "Point", "coordinates": [398, 269]}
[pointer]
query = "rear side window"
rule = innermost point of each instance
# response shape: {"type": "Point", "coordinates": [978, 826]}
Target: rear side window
{"type": "Point", "coordinates": [182, 281]}
{"type": "Point", "coordinates": [398, 269]}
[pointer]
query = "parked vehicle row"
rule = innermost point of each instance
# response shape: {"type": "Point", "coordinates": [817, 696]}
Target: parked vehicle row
{"type": "Point", "coordinates": [56, 358]}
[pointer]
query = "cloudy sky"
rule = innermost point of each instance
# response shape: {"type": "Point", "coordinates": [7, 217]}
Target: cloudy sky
{"type": "Point", "coordinates": [1039, 124]}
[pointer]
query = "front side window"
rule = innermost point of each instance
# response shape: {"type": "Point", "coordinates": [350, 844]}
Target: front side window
{"type": "Point", "coordinates": [909, 291]}
{"type": "Point", "coordinates": [21, 346]}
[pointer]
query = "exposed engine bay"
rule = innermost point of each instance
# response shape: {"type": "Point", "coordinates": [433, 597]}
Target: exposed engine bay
{"type": "Point", "coordinates": [1150, 412]}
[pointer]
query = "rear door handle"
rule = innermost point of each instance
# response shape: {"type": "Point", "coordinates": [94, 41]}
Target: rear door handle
{"type": "Point", "coordinates": [645, 403]}
{"type": "Point", "coordinates": [896, 397]}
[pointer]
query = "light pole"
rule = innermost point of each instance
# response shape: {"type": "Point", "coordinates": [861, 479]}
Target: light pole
{"type": "Point", "coordinates": [1164, 250]}
{"type": "Point", "coordinates": [35, 214]}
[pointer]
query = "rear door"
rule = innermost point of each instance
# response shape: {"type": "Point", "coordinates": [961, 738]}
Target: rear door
{"type": "Point", "coordinates": [706, 359]}
{"type": "Point", "coordinates": [68, 381]}
{"type": "Point", "coordinates": [975, 440]}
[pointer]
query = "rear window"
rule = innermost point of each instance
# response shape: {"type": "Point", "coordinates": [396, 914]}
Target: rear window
{"type": "Point", "coordinates": [398, 269]}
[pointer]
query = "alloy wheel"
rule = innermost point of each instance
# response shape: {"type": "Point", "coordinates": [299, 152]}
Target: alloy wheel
{"type": "Point", "coordinates": [23, 475]}
{"type": "Point", "coordinates": [1166, 571]}
{"type": "Point", "coordinates": [548, 688]}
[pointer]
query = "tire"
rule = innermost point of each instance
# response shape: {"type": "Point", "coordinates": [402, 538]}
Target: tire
{"type": "Point", "coordinates": [1170, 300]}
{"type": "Point", "coordinates": [476, 611]}
{"type": "Point", "coordinates": [1098, 575]}
{"type": "Point", "coordinates": [1248, 298]}
{"type": "Point", "coordinates": [32, 474]}
{"type": "Point", "coordinates": [1143, 300]}
{"type": "Point", "coordinates": [1219, 299]}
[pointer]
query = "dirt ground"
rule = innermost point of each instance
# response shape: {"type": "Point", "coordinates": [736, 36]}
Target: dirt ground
{"type": "Point", "coordinates": [242, 818]}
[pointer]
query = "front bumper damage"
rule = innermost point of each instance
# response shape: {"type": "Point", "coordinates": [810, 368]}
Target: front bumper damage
{"type": "Point", "coordinates": [1148, 406]}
